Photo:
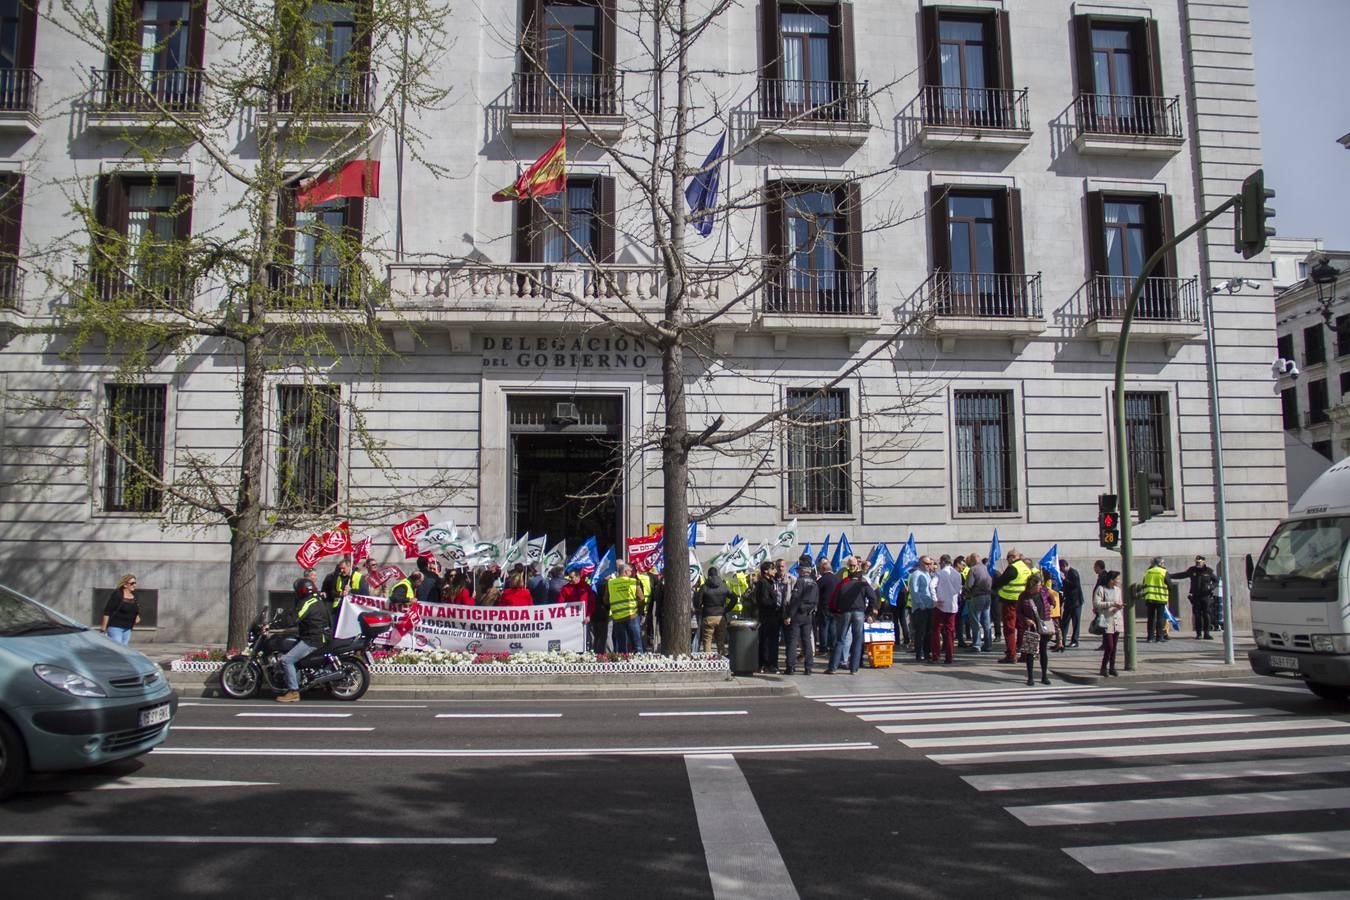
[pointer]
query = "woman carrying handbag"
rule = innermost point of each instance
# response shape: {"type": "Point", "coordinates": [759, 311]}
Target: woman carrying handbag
{"type": "Point", "coordinates": [1109, 607]}
{"type": "Point", "coordinates": [1033, 620]}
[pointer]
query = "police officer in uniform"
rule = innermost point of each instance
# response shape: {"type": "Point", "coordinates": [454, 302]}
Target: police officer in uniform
{"type": "Point", "coordinates": [800, 616]}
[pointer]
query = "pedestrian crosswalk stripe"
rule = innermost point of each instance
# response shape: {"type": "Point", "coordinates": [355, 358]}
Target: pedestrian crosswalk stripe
{"type": "Point", "coordinates": [1279, 688]}
{"type": "Point", "coordinates": [1206, 852]}
{"type": "Point", "coordinates": [1004, 709]}
{"type": "Point", "coordinates": [1018, 724]}
{"type": "Point", "coordinates": [1018, 700]}
{"type": "Point", "coordinates": [1120, 734]}
{"type": "Point", "coordinates": [1143, 810]}
{"type": "Point", "coordinates": [1117, 751]}
{"type": "Point", "coordinates": [1161, 774]}
{"type": "Point", "coordinates": [1010, 692]}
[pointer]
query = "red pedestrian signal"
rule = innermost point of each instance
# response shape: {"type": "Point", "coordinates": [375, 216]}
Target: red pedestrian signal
{"type": "Point", "coordinates": [1108, 522]}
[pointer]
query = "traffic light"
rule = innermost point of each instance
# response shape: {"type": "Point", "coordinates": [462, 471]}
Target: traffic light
{"type": "Point", "coordinates": [1251, 229]}
{"type": "Point", "coordinates": [1108, 521]}
{"type": "Point", "coordinates": [1149, 492]}
{"type": "Point", "coordinates": [1157, 495]}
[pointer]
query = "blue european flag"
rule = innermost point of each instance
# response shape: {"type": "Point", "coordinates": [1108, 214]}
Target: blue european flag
{"type": "Point", "coordinates": [824, 549]}
{"type": "Point", "coordinates": [586, 557]}
{"type": "Point", "coordinates": [693, 534]}
{"type": "Point", "coordinates": [702, 190]}
{"type": "Point", "coordinates": [1050, 564]}
{"type": "Point", "coordinates": [995, 554]}
{"type": "Point", "coordinates": [842, 551]}
{"type": "Point", "coordinates": [908, 560]}
{"type": "Point", "coordinates": [603, 570]}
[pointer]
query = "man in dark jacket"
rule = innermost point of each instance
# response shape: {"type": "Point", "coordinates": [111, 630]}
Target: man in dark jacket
{"type": "Point", "coordinates": [770, 613]}
{"type": "Point", "coordinates": [314, 627]}
{"type": "Point", "coordinates": [857, 602]}
{"type": "Point", "coordinates": [1203, 582]}
{"type": "Point", "coordinates": [800, 616]}
{"type": "Point", "coordinates": [712, 602]}
{"type": "Point", "coordinates": [826, 582]}
{"type": "Point", "coordinates": [1072, 613]}
{"type": "Point", "coordinates": [536, 584]}
{"type": "Point", "coordinates": [429, 591]}
{"type": "Point", "coordinates": [556, 582]}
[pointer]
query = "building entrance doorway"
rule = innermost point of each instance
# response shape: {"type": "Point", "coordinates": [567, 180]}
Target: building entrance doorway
{"type": "Point", "coordinates": [567, 468]}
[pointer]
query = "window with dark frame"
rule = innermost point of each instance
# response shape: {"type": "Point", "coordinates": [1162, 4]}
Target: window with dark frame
{"type": "Point", "coordinates": [337, 80]}
{"type": "Point", "coordinates": [18, 38]}
{"type": "Point", "coordinates": [1318, 401]}
{"type": "Point", "coordinates": [11, 223]}
{"type": "Point", "coordinates": [1148, 438]}
{"type": "Point", "coordinates": [808, 67]}
{"type": "Point", "coordinates": [1314, 345]}
{"type": "Point", "coordinates": [141, 217]}
{"type": "Point", "coordinates": [986, 480]}
{"type": "Point", "coordinates": [133, 455]}
{"type": "Point", "coordinates": [307, 447]}
{"type": "Point", "coordinates": [1289, 406]}
{"type": "Point", "coordinates": [1345, 387]}
{"type": "Point", "coordinates": [1119, 71]}
{"type": "Point", "coordinates": [1124, 230]}
{"type": "Point", "coordinates": [819, 457]}
{"type": "Point", "coordinates": [320, 251]}
{"type": "Point", "coordinates": [978, 262]}
{"type": "Point", "coordinates": [156, 57]}
{"type": "Point", "coordinates": [814, 232]}
{"type": "Point", "coordinates": [968, 79]}
{"type": "Point", "coordinates": [573, 226]}
{"type": "Point", "coordinates": [1342, 335]}
{"type": "Point", "coordinates": [1284, 346]}
{"type": "Point", "coordinates": [568, 58]}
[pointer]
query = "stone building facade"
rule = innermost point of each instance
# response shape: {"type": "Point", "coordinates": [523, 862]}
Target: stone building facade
{"type": "Point", "coordinates": [1003, 166]}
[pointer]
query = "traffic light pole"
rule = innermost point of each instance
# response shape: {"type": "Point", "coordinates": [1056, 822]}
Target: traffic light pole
{"type": "Point", "coordinates": [1122, 439]}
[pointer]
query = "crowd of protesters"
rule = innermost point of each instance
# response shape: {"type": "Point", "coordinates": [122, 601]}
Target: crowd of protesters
{"type": "Point", "coordinates": [946, 604]}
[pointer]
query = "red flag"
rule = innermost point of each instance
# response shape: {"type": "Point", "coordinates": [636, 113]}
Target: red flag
{"type": "Point", "coordinates": [361, 550]}
{"type": "Point", "coordinates": [310, 552]}
{"type": "Point", "coordinates": [357, 175]}
{"type": "Point", "coordinates": [641, 552]}
{"type": "Point", "coordinates": [405, 535]}
{"type": "Point", "coordinates": [548, 175]}
{"type": "Point", "coordinates": [381, 576]}
{"type": "Point", "coordinates": [337, 542]}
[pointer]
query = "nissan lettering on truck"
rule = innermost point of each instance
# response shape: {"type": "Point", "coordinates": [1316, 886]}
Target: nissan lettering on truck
{"type": "Point", "coordinates": [1300, 590]}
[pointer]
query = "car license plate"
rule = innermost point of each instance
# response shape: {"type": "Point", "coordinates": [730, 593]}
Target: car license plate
{"type": "Point", "coordinates": [155, 715]}
{"type": "Point", "coordinates": [1284, 662]}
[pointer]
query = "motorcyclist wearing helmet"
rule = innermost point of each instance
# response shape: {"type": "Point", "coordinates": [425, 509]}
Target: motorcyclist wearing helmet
{"type": "Point", "coordinates": [313, 622]}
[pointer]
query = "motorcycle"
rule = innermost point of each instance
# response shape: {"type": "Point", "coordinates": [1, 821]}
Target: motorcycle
{"type": "Point", "coordinates": [342, 666]}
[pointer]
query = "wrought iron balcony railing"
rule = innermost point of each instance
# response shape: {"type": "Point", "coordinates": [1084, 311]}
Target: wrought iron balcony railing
{"type": "Point", "coordinates": [822, 292]}
{"type": "Point", "coordinates": [118, 90]}
{"type": "Point", "coordinates": [18, 90]}
{"type": "Point", "coordinates": [539, 93]}
{"type": "Point", "coordinates": [1127, 115]}
{"type": "Point", "coordinates": [792, 100]}
{"type": "Point", "coordinates": [960, 107]}
{"type": "Point", "coordinates": [985, 295]}
{"type": "Point", "coordinates": [316, 286]}
{"type": "Point", "coordinates": [145, 284]}
{"type": "Point", "coordinates": [1162, 299]}
{"type": "Point", "coordinates": [345, 93]}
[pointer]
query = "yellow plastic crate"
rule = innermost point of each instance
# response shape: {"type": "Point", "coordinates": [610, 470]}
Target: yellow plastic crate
{"type": "Point", "coordinates": [880, 655]}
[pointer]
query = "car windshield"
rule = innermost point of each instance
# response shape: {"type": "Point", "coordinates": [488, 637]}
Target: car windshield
{"type": "Point", "coordinates": [1302, 560]}
{"type": "Point", "coordinates": [20, 615]}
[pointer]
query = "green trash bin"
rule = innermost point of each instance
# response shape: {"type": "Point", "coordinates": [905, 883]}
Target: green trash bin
{"type": "Point", "coordinates": [744, 649]}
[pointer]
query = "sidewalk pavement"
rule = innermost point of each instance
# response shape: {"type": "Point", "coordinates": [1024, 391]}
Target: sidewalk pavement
{"type": "Point", "coordinates": [1178, 657]}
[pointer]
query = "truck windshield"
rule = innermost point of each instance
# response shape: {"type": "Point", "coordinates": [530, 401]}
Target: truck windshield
{"type": "Point", "coordinates": [1301, 561]}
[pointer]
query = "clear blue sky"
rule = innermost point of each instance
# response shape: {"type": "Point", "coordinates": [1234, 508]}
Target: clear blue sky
{"type": "Point", "coordinates": [1303, 85]}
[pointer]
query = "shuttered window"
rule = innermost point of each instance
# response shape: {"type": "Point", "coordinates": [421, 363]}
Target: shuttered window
{"type": "Point", "coordinates": [985, 472]}
{"type": "Point", "coordinates": [1148, 437]}
{"type": "Point", "coordinates": [818, 453]}
{"type": "Point", "coordinates": [133, 455]}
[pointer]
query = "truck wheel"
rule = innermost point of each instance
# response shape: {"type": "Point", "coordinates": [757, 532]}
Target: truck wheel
{"type": "Point", "coordinates": [1329, 691]}
{"type": "Point", "coordinates": [13, 760]}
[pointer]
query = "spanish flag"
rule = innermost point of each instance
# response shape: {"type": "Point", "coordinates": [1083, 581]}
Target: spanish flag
{"type": "Point", "coordinates": [547, 176]}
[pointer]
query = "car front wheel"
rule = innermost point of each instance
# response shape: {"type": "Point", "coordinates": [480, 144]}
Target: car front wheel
{"type": "Point", "coordinates": [13, 760]}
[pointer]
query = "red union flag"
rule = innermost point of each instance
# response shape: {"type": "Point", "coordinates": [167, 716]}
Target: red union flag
{"type": "Point", "coordinates": [361, 550]}
{"type": "Point", "coordinates": [642, 551]}
{"type": "Point", "coordinates": [381, 576]}
{"type": "Point", "coordinates": [310, 552]}
{"type": "Point", "coordinates": [405, 535]}
{"type": "Point", "coordinates": [337, 542]}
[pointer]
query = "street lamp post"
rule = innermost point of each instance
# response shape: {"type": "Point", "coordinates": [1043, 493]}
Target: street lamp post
{"type": "Point", "coordinates": [1323, 276]}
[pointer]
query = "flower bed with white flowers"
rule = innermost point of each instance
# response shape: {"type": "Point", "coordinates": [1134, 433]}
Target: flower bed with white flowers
{"type": "Point", "coordinates": [446, 662]}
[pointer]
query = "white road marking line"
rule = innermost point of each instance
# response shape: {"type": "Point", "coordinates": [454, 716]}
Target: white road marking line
{"type": "Point", "coordinates": [134, 782]}
{"type": "Point", "coordinates": [293, 715]}
{"type": "Point", "coordinates": [499, 715]}
{"type": "Point", "coordinates": [1016, 724]}
{"type": "Point", "coordinates": [1213, 852]}
{"type": "Point", "coordinates": [237, 839]}
{"type": "Point", "coordinates": [512, 753]}
{"type": "Point", "coordinates": [837, 699]}
{"type": "Point", "coordinates": [1251, 687]}
{"type": "Point", "coordinates": [743, 861]}
{"type": "Point", "coordinates": [1010, 712]}
{"type": "Point", "coordinates": [709, 712]}
{"type": "Point", "coordinates": [1120, 734]}
{"type": "Point", "coordinates": [1025, 700]}
{"type": "Point", "coordinates": [178, 728]}
{"type": "Point", "coordinates": [1201, 805]}
{"type": "Point", "coordinates": [1006, 706]}
{"type": "Point", "coordinates": [1305, 895]}
{"type": "Point", "coordinates": [1119, 751]}
{"type": "Point", "coordinates": [235, 704]}
{"type": "Point", "coordinates": [1213, 771]}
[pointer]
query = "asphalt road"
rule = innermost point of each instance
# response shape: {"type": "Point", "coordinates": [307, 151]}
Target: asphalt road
{"type": "Point", "coordinates": [1006, 791]}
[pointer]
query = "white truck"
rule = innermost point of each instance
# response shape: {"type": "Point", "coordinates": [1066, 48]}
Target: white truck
{"type": "Point", "coordinates": [1300, 590]}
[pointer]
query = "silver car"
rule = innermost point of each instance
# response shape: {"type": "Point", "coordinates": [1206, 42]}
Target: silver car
{"type": "Point", "coordinates": [69, 697]}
